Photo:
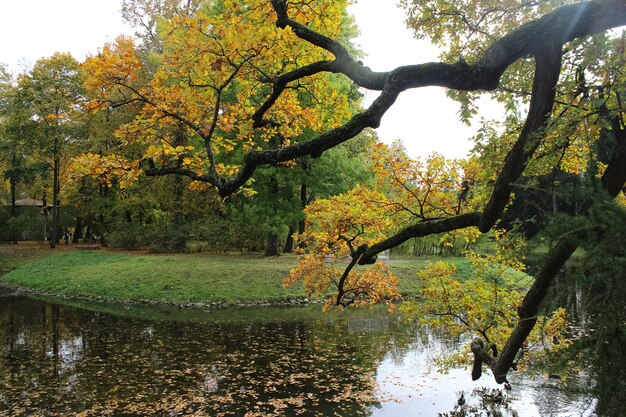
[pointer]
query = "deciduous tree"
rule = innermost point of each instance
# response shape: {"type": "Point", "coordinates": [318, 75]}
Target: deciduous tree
{"type": "Point", "coordinates": [52, 91]}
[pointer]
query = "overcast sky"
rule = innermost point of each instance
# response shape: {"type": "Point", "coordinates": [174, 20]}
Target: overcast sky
{"type": "Point", "coordinates": [425, 120]}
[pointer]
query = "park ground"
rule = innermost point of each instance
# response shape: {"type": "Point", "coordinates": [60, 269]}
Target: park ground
{"type": "Point", "coordinates": [188, 280]}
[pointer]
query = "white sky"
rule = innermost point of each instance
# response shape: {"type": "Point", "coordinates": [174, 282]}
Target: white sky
{"type": "Point", "coordinates": [425, 120]}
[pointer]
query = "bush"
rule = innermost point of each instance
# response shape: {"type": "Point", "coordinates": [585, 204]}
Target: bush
{"type": "Point", "coordinates": [29, 224]}
{"type": "Point", "coordinates": [127, 236]}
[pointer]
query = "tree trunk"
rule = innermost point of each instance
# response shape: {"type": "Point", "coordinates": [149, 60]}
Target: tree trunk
{"type": "Point", "coordinates": [303, 202]}
{"type": "Point", "coordinates": [13, 186]}
{"type": "Point", "coordinates": [78, 229]}
{"type": "Point", "coordinates": [54, 228]}
{"type": "Point", "coordinates": [13, 181]}
{"type": "Point", "coordinates": [289, 243]}
{"type": "Point", "coordinates": [271, 249]}
{"type": "Point", "coordinates": [103, 240]}
{"type": "Point", "coordinates": [88, 233]}
{"type": "Point", "coordinates": [179, 238]}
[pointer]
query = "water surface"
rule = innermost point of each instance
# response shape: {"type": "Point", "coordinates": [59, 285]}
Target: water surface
{"type": "Point", "coordinates": [60, 360]}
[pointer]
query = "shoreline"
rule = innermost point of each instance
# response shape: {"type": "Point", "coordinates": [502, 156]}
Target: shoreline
{"type": "Point", "coordinates": [183, 281]}
{"type": "Point", "coordinates": [31, 292]}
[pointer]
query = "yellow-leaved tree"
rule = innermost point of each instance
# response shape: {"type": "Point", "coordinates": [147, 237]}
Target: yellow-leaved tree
{"type": "Point", "coordinates": [338, 231]}
{"type": "Point", "coordinates": [482, 302]}
{"type": "Point", "coordinates": [341, 229]}
{"type": "Point", "coordinates": [227, 82]}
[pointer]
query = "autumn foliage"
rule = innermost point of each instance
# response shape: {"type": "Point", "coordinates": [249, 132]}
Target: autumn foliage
{"type": "Point", "coordinates": [214, 93]}
{"type": "Point", "coordinates": [241, 85]}
{"type": "Point", "coordinates": [336, 230]}
{"type": "Point", "coordinates": [485, 303]}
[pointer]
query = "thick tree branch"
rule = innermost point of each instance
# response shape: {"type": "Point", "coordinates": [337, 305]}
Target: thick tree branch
{"type": "Point", "coordinates": [613, 181]}
{"type": "Point", "coordinates": [346, 64]}
{"type": "Point", "coordinates": [560, 26]}
{"type": "Point", "coordinates": [314, 147]}
{"type": "Point", "coordinates": [547, 69]}
{"type": "Point", "coordinates": [421, 229]}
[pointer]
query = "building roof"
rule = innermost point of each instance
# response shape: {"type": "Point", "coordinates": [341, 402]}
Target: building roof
{"type": "Point", "coordinates": [29, 202]}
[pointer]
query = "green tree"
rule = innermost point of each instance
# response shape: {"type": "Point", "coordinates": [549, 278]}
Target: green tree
{"type": "Point", "coordinates": [52, 90]}
{"type": "Point", "coordinates": [17, 148]}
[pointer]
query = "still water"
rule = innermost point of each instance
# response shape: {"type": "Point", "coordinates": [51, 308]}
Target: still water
{"type": "Point", "coordinates": [60, 360]}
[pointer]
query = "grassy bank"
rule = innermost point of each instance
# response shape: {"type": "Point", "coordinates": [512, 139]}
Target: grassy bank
{"type": "Point", "coordinates": [13, 256]}
{"type": "Point", "coordinates": [171, 278]}
{"type": "Point", "coordinates": [179, 279]}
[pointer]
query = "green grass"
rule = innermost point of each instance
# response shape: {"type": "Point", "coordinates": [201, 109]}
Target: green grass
{"type": "Point", "coordinates": [176, 279]}
{"type": "Point", "coordinates": [173, 278]}
{"type": "Point", "coordinates": [13, 256]}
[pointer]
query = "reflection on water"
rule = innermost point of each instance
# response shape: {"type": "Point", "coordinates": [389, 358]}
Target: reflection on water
{"type": "Point", "coordinates": [62, 360]}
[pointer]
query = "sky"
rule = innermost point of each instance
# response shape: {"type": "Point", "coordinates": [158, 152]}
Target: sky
{"type": "Point", "coordinates": [425, 119]}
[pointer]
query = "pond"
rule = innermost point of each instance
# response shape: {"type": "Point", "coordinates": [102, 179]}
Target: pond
{"type": "Point", "coordinates": [60, 360]}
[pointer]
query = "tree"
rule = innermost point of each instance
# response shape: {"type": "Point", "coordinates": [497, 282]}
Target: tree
{"type": "Point", "coordinates": [15, 148]}
{"type": "Point", "coordinates": [52, 90]}
{"type": "Point", "coordinates": [261, 129]}
{"type": "Point", "coordinates": [335, 236]}
{"type": "Point", "coordinates": [172, 91]}
{"type": "Point", "coordinates": [232, 76]}
{"type": "Point", "coordinates": [18, 151]}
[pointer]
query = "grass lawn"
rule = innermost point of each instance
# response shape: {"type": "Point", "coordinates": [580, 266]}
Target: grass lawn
{"type": "Point", "coordinates": [175, 279]}
{"type": "Point", "coordinates": [163, 278]}
{"type": "Point", "coordinates": [12, 256]}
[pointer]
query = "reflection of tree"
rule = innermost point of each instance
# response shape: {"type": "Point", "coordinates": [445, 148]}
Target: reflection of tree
{"type": "Point", "coordinates": [594, 289]}
{"type": "Point", "coordinates": [102, 362]}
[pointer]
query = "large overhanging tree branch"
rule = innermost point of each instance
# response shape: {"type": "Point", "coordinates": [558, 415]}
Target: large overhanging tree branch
{"type": "Point", "coordinates": [549, 32]}
{"type": "Point", "coordinates": [543, 39]}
